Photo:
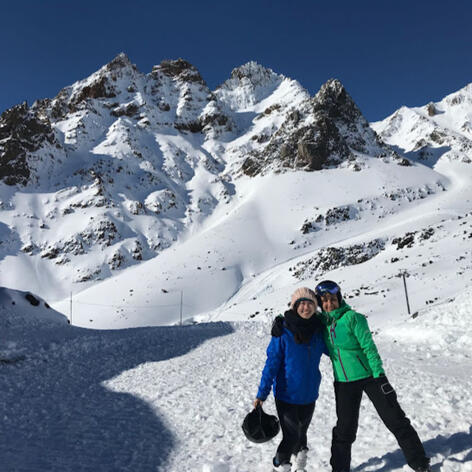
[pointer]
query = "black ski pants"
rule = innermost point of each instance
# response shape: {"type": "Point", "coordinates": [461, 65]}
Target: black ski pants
{"type": "Point", "coordinates": [294, 422]}
{"type": "Point", "coordinates": [381, 394]}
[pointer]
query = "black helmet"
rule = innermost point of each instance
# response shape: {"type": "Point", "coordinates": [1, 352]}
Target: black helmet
{"type": "Point", "coordinates": [260, 427]}
{"type": "Point", "coordinates": [330, 287]}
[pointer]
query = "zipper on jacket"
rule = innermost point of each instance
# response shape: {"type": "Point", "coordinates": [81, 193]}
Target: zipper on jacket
{"type": "Point", "coordinates": [342, 366]}
{"type": "Point", "coordinates": [332, 332]}
{"type": "Point", "coordinates": [362, 364]}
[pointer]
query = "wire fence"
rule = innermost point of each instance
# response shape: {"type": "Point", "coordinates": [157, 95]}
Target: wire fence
{"type": "Point", "coordinates": [129, 306]}
{"type": "Point", "coordinates": [133, 306]}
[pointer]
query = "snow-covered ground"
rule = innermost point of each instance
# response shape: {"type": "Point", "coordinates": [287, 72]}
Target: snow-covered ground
{"type": "Point", "coordinates": [173, 398]}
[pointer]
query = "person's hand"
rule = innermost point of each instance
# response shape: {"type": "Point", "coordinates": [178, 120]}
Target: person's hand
{"type": "Point", "coordinates": [384, 384]}
{"type": "Point", "coordinates": [258, 402]}
{"type": "Point", "coordinates": [277, 326]}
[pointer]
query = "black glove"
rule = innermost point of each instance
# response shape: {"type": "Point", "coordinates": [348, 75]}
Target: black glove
{"type": "Point", "coordinates": [277, 326]}
{"type": "Point", "coordinates": [384, 384]}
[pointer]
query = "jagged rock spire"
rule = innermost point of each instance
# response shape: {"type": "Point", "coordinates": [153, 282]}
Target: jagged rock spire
{"type": "Point", "coordinates": [334, 102]}
{"type": "Point", "coordinates": [250, 73]}
{"type": "Point", "coordinates": [119, 62]}
{"type": "Point", "coordinates": [329, 129]}
{"type": "Point", "coordinates": [179, 69]}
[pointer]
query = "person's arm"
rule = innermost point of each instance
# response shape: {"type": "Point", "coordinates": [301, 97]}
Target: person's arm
{"type": "Point", "coordinates": [323, 317]}
{"type": "Point", "coordinates": [277, 326]}
{"type": "Point", "coordinates": [272, 366]}
{"type": "Point", "coordinates": [364, 337]}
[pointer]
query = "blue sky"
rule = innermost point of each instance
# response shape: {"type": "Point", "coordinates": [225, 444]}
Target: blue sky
{"type": "Point", "coordinates": [387, 54]}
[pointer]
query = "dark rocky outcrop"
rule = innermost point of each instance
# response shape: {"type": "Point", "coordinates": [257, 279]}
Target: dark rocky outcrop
{"type": "Point", "coordinates": [335, 130]}
{"type": "Point", "coordinates": [119, 62]}
{"type": "Point", "coordinates": [129, 110]}
{"type": "Point", "coordinates": [252, 73]}
{"type": "Point", "coordinates": [181, 70]}
{"type": "Point", "coordinates": [22, 131]}
{"type": "Point", "coordinates": [431, 109]}
{"type": "Point", "coordinates": [98, 89]}
{"type": "Point", "coordinates": [191, 126]}
{"type": "Point", "coordinates": [331, 258]}
{"type": "Point", "coordinates": [32, 299]}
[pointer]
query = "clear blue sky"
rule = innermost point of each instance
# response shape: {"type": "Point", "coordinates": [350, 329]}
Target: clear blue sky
{"type": "Point", "coordinates": [386, 53]}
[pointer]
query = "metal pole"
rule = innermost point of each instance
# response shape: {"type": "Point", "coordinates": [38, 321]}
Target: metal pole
{"type": "Point", "coordinates": [406, 293]}
{"type": "Point", "coordinates": [181, 303]}
{"type": "Point", "coordinates": [70, 319]}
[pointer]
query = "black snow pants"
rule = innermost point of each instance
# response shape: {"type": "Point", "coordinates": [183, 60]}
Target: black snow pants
{"type": "Point", "coordinates": [381, 394]}
{"type": "Point", "coordinates": [294, 422]}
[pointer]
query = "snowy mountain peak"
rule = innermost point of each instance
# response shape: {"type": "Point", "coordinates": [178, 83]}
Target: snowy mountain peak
{"type": "Point", "coordinates": [248, 86]}
{"type": "Point", "coordinates": [434, 132]}
{"type": "Point", "coordinates": [324, 131]}
{"type": "Point", "coordinates": [179, 69]}
{"type": "Point", "coordinates": [119, 62]}
{"type": "Point", "coordinates": [254, 73]}
{"type": "Point", "coordinates": [462, 96]}
{"type": "Point", "coordinates": [334, 101]}
{"type": "Point", "coordinates": [121, 165]}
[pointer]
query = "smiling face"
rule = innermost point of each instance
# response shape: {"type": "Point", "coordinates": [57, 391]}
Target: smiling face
{"type": "Point", "coordinates": [329, 302]}
{"type": "Point", "coordinates": [306, 309]}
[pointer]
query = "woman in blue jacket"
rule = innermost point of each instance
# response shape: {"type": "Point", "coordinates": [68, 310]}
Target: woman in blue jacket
{"type": "Point", "coordinates": [292, 368]}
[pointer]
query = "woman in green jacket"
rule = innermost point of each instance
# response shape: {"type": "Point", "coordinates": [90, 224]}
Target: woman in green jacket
{"type": "Point", "coordinates": [357, 368]}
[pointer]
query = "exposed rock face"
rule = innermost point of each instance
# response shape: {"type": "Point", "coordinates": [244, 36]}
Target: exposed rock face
{"type": "Point", "coordinates": [331, 258]}
{"type": "Point", "coordinates": [314, 133]}
{"type": "Point", "coordinates": [324, 131]}
{"type": "Point", "coordinates": [440, 130]}
{"type": "Point", "coordinates": [181, 70]}
{"type": "Point", "coordinates": [22, 132]}
{"type": "Point", "coordinates": [250, 74]}
{"type": "Point", "coordinates": [120, 146]}
{"type": "Point", "coordinates": [431, 109]}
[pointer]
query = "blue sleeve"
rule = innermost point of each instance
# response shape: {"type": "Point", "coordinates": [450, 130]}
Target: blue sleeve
{"type": "Point", "coordinates": [271, 368]}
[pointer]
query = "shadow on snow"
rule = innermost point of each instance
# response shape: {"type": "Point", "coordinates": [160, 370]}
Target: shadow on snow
{"type": "Point", "coordinates": [427, 155]}
{"type": "Point", "coordinates": [56, 415]}
{"type": "Point", "coordinates": [444, 446]}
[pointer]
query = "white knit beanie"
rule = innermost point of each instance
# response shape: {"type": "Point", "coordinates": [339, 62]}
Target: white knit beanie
{"type": "Point", "coordinates": [303, 293]}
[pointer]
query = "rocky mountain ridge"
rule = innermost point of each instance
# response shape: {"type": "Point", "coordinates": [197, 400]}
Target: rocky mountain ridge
{"type": "Point", "coordinates": [437, 130]}
{"type": "Point", "coordinates": [119, 166]}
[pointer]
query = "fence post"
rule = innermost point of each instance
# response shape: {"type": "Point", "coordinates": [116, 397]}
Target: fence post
{"type": "Point", "coordinates": [70, 317]}
{"type": "Point", "coordinates": [406, 292]}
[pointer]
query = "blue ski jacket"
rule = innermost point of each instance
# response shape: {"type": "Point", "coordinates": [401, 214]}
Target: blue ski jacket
{"type": "Point", "coordinates": [293, 369]}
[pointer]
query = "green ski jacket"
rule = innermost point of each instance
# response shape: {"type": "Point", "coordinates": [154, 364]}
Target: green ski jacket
{"type": "Point", "coordinates": [351, 348]}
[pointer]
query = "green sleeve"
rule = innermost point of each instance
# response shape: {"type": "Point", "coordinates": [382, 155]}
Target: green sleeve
{"type": "Point", "coordinates": [364, 337]}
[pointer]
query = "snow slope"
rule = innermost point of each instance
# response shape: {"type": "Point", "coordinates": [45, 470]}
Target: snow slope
{"type": "Point", "coordinates": [173, 398]}
{"type": "Point", "coordinates": [251, 252]}
{"type": "Point", "coordinates": [121, 164]}
{"type": "Point", "coordinates": [433, 132]}
{"type": "Point", "coordinates": [152, 198]}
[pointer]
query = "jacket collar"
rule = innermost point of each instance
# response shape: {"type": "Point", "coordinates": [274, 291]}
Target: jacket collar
{"type": "Point", "coordinates": [336, 314]}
